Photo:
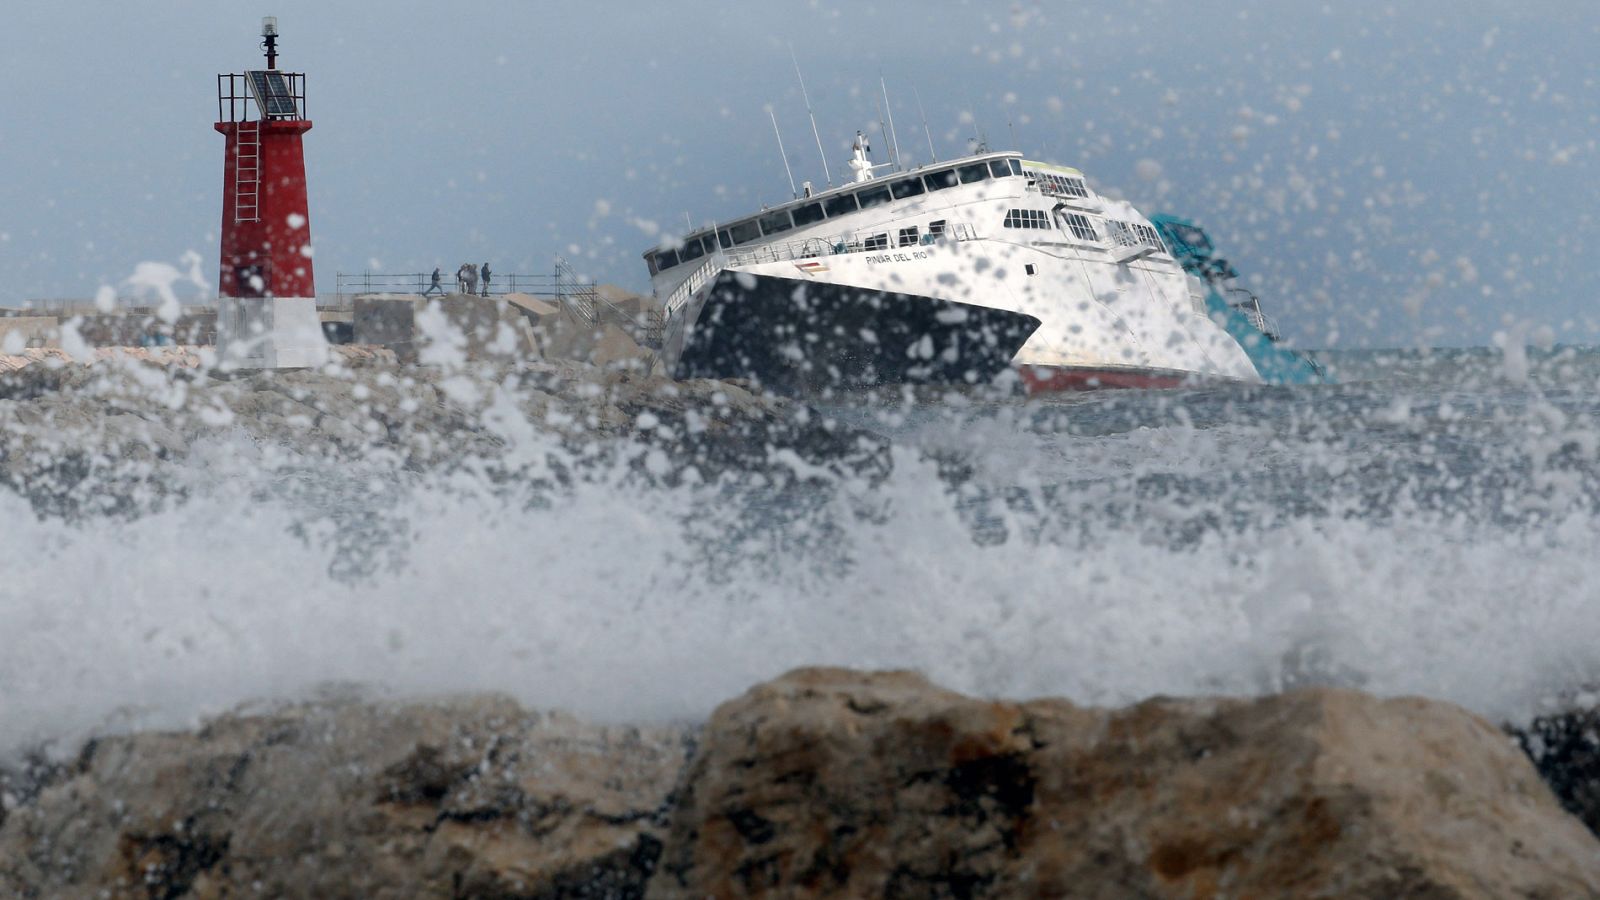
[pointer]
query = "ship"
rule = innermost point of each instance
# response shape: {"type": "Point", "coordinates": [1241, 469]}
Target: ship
{"type": "Point", "coordinates": [988, 269]}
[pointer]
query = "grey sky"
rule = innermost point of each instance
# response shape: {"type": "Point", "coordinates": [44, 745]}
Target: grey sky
{"type": "Point", "coordinates": [1389, 174]}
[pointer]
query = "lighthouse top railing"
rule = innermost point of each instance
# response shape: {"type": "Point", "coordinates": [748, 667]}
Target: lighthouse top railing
{"type": "Point", "coordinates": [235, 102]}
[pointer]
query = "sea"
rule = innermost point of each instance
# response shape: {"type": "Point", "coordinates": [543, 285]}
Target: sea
{"type": "Point", "coordinates": [1429, 524]}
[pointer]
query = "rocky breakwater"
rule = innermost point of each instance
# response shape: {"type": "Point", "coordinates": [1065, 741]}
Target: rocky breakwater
{"type": "Point", "coordinates": [112, 438]}
{"type": "Point", "coordinates": [822, 783]}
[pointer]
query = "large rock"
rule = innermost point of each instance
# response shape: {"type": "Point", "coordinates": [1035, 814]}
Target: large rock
{"type": "Point", "coordinates": [471, 798]}
{"type": "Point", "coordinates": [480, 328]}
{"type": "Point", "coordinates": [21, 332]}
{"type": "Point", "coordinates": [832, 783]}
{"type": "Point", "coordinates": [606, 344]}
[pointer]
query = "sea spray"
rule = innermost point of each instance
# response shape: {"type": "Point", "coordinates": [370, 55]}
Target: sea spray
{"type": "Point", "coordinates": [1103, 548]}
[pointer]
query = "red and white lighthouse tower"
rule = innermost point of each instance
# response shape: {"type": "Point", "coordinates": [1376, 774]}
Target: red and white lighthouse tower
{"type": "Point", "coordinates": [267, 312]}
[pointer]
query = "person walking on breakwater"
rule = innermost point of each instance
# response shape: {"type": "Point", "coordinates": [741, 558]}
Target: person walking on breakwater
{"type": "Point", "coordinates": [483, 271]}
{"type": "Point", "coordinates": [435, 286]}
{"type": "Point", "coordinates": [461, 279]}
{"type": "Point", "coordinates": [472, 279]}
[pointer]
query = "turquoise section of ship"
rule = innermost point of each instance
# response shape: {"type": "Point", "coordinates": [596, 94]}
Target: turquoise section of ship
{"type": "Point", "coordinates": [1234, 307]}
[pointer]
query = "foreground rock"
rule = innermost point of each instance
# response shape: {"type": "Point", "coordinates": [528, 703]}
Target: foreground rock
{"type": "Point", "coordinates": [832, 783]}
{"type": "Point", "coordinates": [469, 799]}
{"type": "Point", "coordinates": [822, 783]}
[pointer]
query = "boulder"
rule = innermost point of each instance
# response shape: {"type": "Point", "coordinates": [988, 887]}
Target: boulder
{"type": "Point", "coordinates": [387, 321]}
{"type": "Point", "coordinates": [21, 332]}
{"type": "Point", "coordinates": [485, 328]}
{"type": "Point", "coordinates": [466, 798]}
{"type": "Point", "coordinates": [614, 348]}
{"type": "Point", "coordinates": [829, 783]}
{"type": "Point", "coordinates": [532, 306]}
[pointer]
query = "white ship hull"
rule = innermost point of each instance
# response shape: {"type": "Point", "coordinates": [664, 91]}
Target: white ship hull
{"type": "Point", "coordinates": [1114, 309]}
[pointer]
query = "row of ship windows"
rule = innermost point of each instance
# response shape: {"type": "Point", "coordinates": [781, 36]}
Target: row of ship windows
{"type": "Point", "coordinates": [1061, 185]}
{"type": "Point", "coordinates": [781, 220]}
{"type": "Point", "coordinates": [1083, 229]}
{"type": "Point", "coordinates": [1080, 225]}
{"type": "Point", "coordinates": [1139, 234]}
{"type": "Point", "coordinates": [906, 237]}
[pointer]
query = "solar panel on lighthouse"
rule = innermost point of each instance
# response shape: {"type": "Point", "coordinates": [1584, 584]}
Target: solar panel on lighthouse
{"type": "Point", "coordinates": [272, 95]}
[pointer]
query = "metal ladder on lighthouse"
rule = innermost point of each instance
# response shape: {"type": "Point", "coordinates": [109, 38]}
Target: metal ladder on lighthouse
{"type": "Point", "coordinates": [247, 174]}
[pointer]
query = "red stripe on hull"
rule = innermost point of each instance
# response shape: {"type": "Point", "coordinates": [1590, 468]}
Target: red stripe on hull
{"type": "Point", "coordinates": [1054, 379]}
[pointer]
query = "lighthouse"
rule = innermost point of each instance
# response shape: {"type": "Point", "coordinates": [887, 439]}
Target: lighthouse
{"type": "Point", "coordinates": [267, 309]}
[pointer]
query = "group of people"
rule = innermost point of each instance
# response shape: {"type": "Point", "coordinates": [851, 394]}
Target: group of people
{"type": "Point", "coordinates": [468, 278]}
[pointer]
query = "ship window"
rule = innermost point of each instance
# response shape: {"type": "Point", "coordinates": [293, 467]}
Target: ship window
{"type": "Point", "coordinates": [725, 239]}
{"type": "Point", "coordinates": [666, 259]}
{"type": "Point", "coordinates": [650, 260]}
{"type": "Point", "coordinates": [805, 215]}
{"type": "Point", "coordinates": [1061, 185]}
{"type": "Point", "coordinates": [999, 169]}
{"type": "Point", "coordinates": [1123, 234]}
{"type": "Point", "coordinates": [877, 242]}
{"type": "Point", "coordinates": [1080, 226]}
{"type": "Point", "coordinates": [1016, 167]}
{"type": "Point", "coordinates": [691, 250]}
{"type": "Point", "coordinates": [875, 196]}
{"type": "Point", "coordinates": [1149, 236]}
{"type": "Point", "coordinates": [1027, 218]}
{"type": "Point", "coordinates": [907, 237]}
{"type": "Point", "coordinates": [745, 232]}
{"type": "Point", "coordinates": [842, 205]}
{"type": "Point", "coordinates": [774, 222]}
{"type": "Point", "coordinates": [974, 172]}
{"type": "Point", "coordinates": [936, 226]}
{"type": "Point", "coordinates": [938, 181]}
{"type": "Point", "coordinates": [906, 187]}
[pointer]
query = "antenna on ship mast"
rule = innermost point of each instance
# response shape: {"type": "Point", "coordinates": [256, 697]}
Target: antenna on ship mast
{"type": "Point", "coordinates": [883, 131]}
{"type": "Point", "coordinates": [931, 152]}
{"type": "Point", "coordinates": [781, 152]}
{"type": "Point", "coordinates": [814, 133]}
{"type": "Point", "coordinates": [894, 139]}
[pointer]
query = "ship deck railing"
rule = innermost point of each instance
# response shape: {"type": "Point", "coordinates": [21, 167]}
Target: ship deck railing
{"type": "Point", "coordinates": [873, 241]}
{"type": "Point", "coordinates": [1250, 305]}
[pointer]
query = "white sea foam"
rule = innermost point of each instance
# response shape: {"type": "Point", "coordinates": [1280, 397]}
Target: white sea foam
{"type": "Point", "coordinates": [605, 601]}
